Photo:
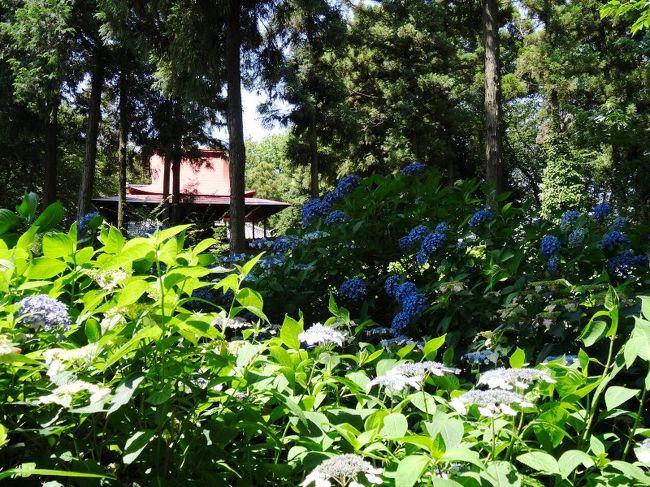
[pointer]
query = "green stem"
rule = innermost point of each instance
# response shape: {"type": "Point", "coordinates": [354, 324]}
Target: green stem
{"type": "Point", "coordinates": [630, 438]}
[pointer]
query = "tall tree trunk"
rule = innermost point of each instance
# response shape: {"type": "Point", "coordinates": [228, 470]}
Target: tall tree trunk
{"type": "Point", "coordinates": [51, 151]}
{"type": "Point", "coordinates": [494, 165]}
{"type": "Point", "coordinates": [176, 183]}
{"type": "Point", "coordinates": [235, 129]}
{"type": "Point", "coordinates": [313, 151]}
{"type": "Point", "coordinates": [122, 148]}
{"type": "Point", "coordinates": [92, 131]}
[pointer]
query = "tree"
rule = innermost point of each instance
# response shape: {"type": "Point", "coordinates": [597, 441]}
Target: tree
{"type": "Point", "coordinates": [494, 170]}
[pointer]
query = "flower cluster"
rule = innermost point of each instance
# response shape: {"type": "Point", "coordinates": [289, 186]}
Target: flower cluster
{"type": "Point", "coordinates": [642, 451]}
{"type": "Point", "coordinates": [577, 237]}
{"type": "Point", "coordinates": [410, 374]}
{"type": "Point", "coordinates": [343, 188]}
{"type": "Point", "coordinates": [391, 284]}
{"type": "Point", "coordinates": [412, 301]}
{"type": "Point", "coordinates": [335, 216]}
{"type": "Point", "coordinates": [619, 223]}
{"type": "Point", "coordinates": [568, 218]}
{"type": "Point", "coordinates": [261, 243]}
{"type": "Point", "coordinates": [432, 243]}
{"type": "Point", "coordinates": [491, 402]}
{"type": "Point", "coordinates": [353, 289]}
{"type": "Point", "coordinates": [615, 239]}
{"type": "Point", "coordinates": [481, 216]}
{"type": "Point", "coordinates": [41, 311]}
{"type": "Point", "coordinates": [315, 235]}
{"type": "Point", "coordinates": [143, 228]}
{"type": "Point", "coordinates": [481, 357]}
{"type": "Point", "coordinates": [508, 379]}
{"type": "Point", "coordinates": [601, 211]}
{"type": "Point", "coordinates": [550, 245]}
{"type": "Point", "coordinates": [64, 394]}
{"type": "Point", "coordinates": [343, 470]}
{"type": "Point", "coordinates": [6, 347]}
{"type": "Point", "coordinates": [553, 265]}
{"type": "Point", "coordinates": [413, 169]}
{"type": "Point", "coordinates": [270, 261]}
{"type": "Point", "coordinates": [416, 234]}
{"type": "Point", "coordinates": [56, 359]}
{"type": "Point", "coordinates": [622, 266]}
{"type": "Point", "coordinates": [285, 243]}
{"type": "Point", "coordinates": [314, 209]}
{"type": "Point", "coordinates": [318, 334]}
{"type": "Point", "coordinates": [83, 224]}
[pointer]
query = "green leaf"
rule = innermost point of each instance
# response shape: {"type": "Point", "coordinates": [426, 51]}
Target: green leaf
{"type": "Point", "coordinates": [125, 391]}
{"type": "Point", "coordinates": [56, 245]}
{"type": "Point", "coordinates": [162, 235]}
{"type": "Point", "coordinates": [248, 297]}
{"type": "Point", "coordinates": [45, 268]}
{"type": "Point", "coordinates": [290, 331]}
{"type": "Point", "coordinates": [395, 425]}
{"type": "Point", "coordinates": [8, 220]}
{"type": "Point", "coordinates": [29, 469]}
{"type": "Point", "coordinates": [423, 401]}
{"type": "Point", "coordinates": [93, 330]}
{"type": "Point", "coordinates": [161, 396]}
{"type": "Point", "coordinates": [112, 239]}
{"type": "Point", "coordinates": [518, 358]}
{"type": "Point", "coordinates": [50, 218]}
{"type": "Point", "coordinates": [132, 292]}
{"type": "Point", "coordinates": [571, 459]}
{"type": "Point", "coordinates": [248, 266]}
{"type": "Point", "coordinates": [593, 332]}
{"type": "Point", "coordinates": [135, 445]}
{"type": "Point", "coordinates": [28, 206]}
{"type": "Point", "coordinates": [639, 343]}
{"type": "Point", "coordinates": [540, 462]}
{"type": "Point", "coordinates": [502, 474]}
{"type": "Point", "coordinates": [617, 395]}
{"type": "Point", "coordinates": [631, 471]}
{"type": "Point", "coordinates": [410, 469]}
{"type": "Point", "coordinates": [431, 347]}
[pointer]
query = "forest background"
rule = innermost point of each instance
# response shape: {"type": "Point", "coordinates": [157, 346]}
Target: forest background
{"type": "Point", "coordinates": [89, 88]}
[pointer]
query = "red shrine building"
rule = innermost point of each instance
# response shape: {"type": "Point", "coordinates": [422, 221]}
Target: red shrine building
{"type": "Point", "coordinates": [205, 192]}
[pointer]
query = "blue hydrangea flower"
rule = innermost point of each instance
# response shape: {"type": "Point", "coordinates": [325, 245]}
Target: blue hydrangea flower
{"type": "Point", "coordinates": [619, 223]}
{"type": "Point", "coordinates": [601, 211]}
{"type": "Point", "coordinates": [314, 209]}
{"type": "Point", "coordinates": [481, 216]}
{"type": "Point", "coordinates": [553, 265]}
{"type": "Point", "coordinates": [270, 261]}
{"type": "Point", "coordinates": [335, 216]}
{"type": "Point", "coordinates": [353, 289]}
{"type": "Point", "coordinates": [400, 321]}
{"type": "Point", "coordinates": [622, 266]}
{"type": "Point", "coordinates": [261, 243]}
{"type": "Point", "coordinates": [577, 238]}
{"type": "Point", "coordinates": [391, 284]}
{"type": "Point", "coordinates": [416, 234]}
{"type": "Point", "coordinates": [285, 243]}
{"type": "Point", "coordinates": [413, 169]}
{"type": "Point", "coordinates": [42, 311]}
{"type": "Point", "coordinates": [461, 244]}
{"type": "Point", "coordinates": [343, 188]}
{"type": "Point", "coordinates": [414, 304]}
{"type": "Point", "coordinates": [568, 218]}
{"type": "Point", "coordinates": [404, 290]}
{"type": "Point", "coordinates": [432, 242]}
{"type": "Point", "coordinates": [614, 239]}
{"type": "Point", "coordinates": [550, 245]}
{"type": "Point", "coordinates": [84, 222]}
{"type": "Point", "coordinates": [442, 227]}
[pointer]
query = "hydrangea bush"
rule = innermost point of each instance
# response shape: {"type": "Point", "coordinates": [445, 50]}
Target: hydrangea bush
{"type": "Point", "coordinates": [123, 380]}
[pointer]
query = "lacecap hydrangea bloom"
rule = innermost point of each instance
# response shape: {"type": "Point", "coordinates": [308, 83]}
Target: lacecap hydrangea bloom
{"type": "Point", "coordinates": [491, 402]}
{"type": "Point", "coordinates": [508, 379]}
{"type": "Point", "coordinates": [568, 218]}
{"type": "Point", "coordinates": [413, 169]}
{"type": "Point", "coordinates": [335, 216]}
{"type": "Point", "coordinates": [601, 211]}
{"type": "Point", "coordinates": [353, 289]}
{"type": "Point", "coordinates": [42, 311]}
{"type": "Point", "coordinates": [343, 470]}
{"type": "Point", "coordinates": [285, 243]}
{"type": "Point", "coordinates": [481, 216]}
{"type": "Point", "coordinates": [550, 245]}
{"type": "Point", "coordinates": [481, 357]}
{"type": "Point", "coordinates": [318, 334]}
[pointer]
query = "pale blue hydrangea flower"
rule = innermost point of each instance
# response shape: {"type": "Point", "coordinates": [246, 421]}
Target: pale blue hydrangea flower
{"type": "Point", "coordinates": [42, 311]}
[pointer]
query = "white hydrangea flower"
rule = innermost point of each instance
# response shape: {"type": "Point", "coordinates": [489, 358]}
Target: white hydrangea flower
{"type": "Point", "coordinates": [64, 394]}
{"type": "Point", "coordinates": [395, 382]}
{"type": "Point", "coordinates": [508, 379]}
{"type": "Point", "coordinates": [57, 358]}
{"type": "Point", "coordinates": [491, 402]}
{"type": "Point", "coordinates": [643, 452]}
{"type": "Point", "coordinates": [421, 369]}
{"type": "Point", "coordinates": [233, 323]}
{"type": "Point", "coordinates": [108, 280]}
{"type": "Point", "coordinates": [110, 320]}
{"type": "Point", "coordinates": [318, 334]}
{"type": "Point", "coordinates": [343, 469]}
{"type": "Point", "coordinates": [6, 346]}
